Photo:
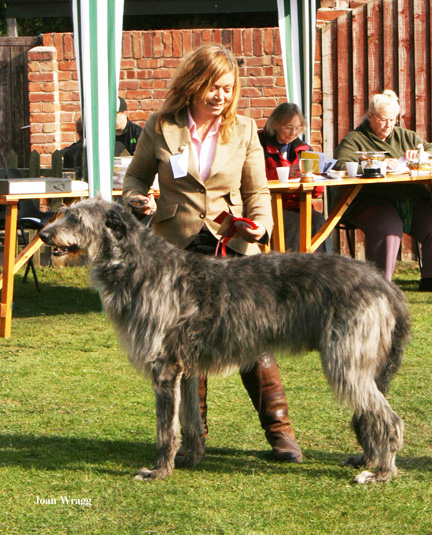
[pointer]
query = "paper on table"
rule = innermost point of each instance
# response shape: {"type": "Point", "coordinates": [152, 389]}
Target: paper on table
{"type": "Point", "coordinates": [324, 164]}
{"type": "Point", "coordinates": [316, 178]}
{"type": "Point", "coordinates": [402, 170]}
{"type": "Point", "coordinates": [79, 185]}
{"type": "Point", "coordinates": [402, 167]}
{"type": "Point", "coordinates": [328, 177]}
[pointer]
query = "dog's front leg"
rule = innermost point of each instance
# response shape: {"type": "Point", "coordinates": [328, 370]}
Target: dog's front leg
{"type": "Point", "coordinates": [166, 385]}
{"type": "Point", "coordinates": [193, 447]}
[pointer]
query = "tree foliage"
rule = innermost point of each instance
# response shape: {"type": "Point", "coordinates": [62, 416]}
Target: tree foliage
{"type": "Point", "coordinates": [35, 26]}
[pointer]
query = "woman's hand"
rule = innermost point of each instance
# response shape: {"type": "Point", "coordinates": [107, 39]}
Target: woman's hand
{"type": "Point", "coordinates": [248, 233]}
{"type": "Point", "coordinates": [411, 154]}
{"type": "Point", "coordinates": [142, 204]}
{"type": "Point", "coordinates": [392, 163]}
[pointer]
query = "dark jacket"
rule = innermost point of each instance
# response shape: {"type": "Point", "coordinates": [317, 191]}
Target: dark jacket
{"type": "Point", "coordinates": [274, 159]}
{"type": "Point", "coordinates": [130, 136]}
{"type": "Point", "coordinates": [72, 155]}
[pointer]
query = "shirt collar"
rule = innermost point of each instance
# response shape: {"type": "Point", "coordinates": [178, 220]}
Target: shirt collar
{"type": "Point", "coordinates": [193, 127]}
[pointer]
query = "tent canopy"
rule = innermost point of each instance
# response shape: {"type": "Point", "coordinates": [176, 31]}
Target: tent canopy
{"type": "Point", "coordinates": [98, 39]}
{"type": "Point", "coordinates": [297, 28]}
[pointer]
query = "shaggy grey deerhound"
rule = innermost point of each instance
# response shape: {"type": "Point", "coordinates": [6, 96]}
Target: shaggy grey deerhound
{"type": "Point", "coordinates": [180, 314]}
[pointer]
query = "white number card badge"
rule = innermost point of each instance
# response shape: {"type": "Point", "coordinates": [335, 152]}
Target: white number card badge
{"type": "Point", "coordinates": [179, 162]}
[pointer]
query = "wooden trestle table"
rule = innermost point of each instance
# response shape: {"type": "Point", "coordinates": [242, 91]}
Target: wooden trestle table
{"type": "Point", "coordinates": [308, 243]}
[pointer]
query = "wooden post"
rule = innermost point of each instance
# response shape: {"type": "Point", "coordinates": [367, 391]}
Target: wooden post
{"type": "Point", "coordinates": [8, 266]}
{"type": "Point", "coordinates": [12, 159]}
{"type": "Point", "coordinates": [305, 220]}
{"type": "Point", "coordinates": [34, 164]}
{"type": "Point", "coordinates": [12, 27]}
{"type": "Point", "coordinates": [278, 228]}
{"type": "Point", "coordinates": [57, 164]}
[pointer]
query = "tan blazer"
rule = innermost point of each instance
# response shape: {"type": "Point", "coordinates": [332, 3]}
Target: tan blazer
{"type": "Point", "coordinates": [236, 183]}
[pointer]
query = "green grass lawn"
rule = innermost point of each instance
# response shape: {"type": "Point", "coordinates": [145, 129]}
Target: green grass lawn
{"type": "Point", "coordinates": [77, 422]}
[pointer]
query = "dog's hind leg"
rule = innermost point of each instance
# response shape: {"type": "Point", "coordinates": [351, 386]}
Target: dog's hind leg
{"type": "Point", "coordinates": [379, 430]}
{"type": "Point", "coordinates": [360, 422]}
{"type": "Point", "coordinates": [359, 363]}
{"type": "Point", "coordinates": [192, 425]}
{"type": "Point", "coordinates": [166, 385]}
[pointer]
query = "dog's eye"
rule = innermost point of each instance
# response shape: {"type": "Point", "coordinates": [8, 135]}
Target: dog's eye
{"type": "Point", "coordinates": [74, 216]}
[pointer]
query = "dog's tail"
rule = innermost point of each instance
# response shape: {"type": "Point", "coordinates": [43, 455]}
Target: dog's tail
{"type": "Point", "coordinates": [367, 350]}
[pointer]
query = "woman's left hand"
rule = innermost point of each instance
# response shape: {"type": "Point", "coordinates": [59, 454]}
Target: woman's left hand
{"type": "Point", "coordinates": [411, 154]}
{"type": "Point", "coordinates": [248, 233]}
{"type": "Point", "coordinates": [392, 163]}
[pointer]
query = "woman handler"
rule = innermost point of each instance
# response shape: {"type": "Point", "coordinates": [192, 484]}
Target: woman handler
{"type": "Point", "coordinates": [209, 161]}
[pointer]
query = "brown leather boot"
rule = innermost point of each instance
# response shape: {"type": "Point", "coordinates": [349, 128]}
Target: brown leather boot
{"type": "Point", "coordinates": [264, 386]}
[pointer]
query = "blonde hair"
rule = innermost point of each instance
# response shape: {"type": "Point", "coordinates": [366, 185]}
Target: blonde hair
{"type": "Point", "coordinates": [282, 114]}
{"type": "Point", "coordinates": [194, 77]}
{"type": "Point", "coordinates": [386, 98]}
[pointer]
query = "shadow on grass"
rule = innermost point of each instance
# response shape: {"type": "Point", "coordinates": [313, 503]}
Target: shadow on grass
{"type": "Point", "coordinates": [407, 285]}
{"type": "Point", "coordinates": [53, 300]}
{"type": "Point", "coordinates": [55, 453]}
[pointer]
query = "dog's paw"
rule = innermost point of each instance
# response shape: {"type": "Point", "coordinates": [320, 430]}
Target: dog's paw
{"type": "Point", "coordinates": [144, 474]}
{"type": "Point", "coordinates": [373, 477]}
{"type": "Point", "coordinates": [365, 477]}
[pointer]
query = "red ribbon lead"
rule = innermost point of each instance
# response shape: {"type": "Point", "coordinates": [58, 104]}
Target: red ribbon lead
{"type": "Point", "coordinates": [223, 241]}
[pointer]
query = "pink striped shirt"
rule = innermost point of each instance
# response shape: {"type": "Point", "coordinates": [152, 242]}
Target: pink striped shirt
{"type": "Point", "coordinates": [204, 151]}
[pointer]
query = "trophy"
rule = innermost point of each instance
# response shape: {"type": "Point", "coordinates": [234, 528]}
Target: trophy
{"type": "Point", "coordinates": [422, 161]}
{"type": "Point", "coordinates": [372, 169]}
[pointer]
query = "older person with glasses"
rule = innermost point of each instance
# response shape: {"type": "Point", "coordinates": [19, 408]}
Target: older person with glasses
{"type": "Point", "coordinates": [385, 211]}
{"type": "Point", "coordinates": [282, 148]}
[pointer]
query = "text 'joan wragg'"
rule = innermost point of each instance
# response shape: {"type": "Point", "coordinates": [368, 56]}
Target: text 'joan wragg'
{"type": "Point", "coordinates": [64, 500]}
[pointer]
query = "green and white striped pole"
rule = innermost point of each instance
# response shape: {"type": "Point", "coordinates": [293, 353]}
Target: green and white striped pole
{"type": "Point", "coordinates": [297, 29]}
{"type": "Point", "coordinates": [98, 39]}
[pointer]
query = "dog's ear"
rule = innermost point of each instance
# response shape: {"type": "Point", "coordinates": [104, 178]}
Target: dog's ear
{"type": "Point", "coordinates": [116, 223]}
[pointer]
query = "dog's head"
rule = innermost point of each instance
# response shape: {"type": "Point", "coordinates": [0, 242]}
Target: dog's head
{"type": "Point", "coordinates": [87, 226]}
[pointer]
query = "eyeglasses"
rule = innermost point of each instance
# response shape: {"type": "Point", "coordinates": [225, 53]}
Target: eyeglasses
{"type": "Point", "coordinates": [291, 129]}
{"type": "Point", "coordinates": [385, 121]}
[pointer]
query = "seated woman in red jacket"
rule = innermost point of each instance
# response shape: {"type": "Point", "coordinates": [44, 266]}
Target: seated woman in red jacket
{"type": "Point", "coordinates": [282, 148]}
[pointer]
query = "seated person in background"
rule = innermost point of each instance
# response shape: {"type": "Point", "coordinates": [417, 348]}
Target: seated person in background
{"type": "Point", "coordinates": [120, 149]}
{"type": "Point", "coordinates": [127, 132]}
{"type": "Point", "coordinates": [72, 155]}
{"type": "Point", "coordinates": [74, 149]}
{"type": "Point", "coordinates": [282, 148]}
{"type": "Point", "coordinates": [385, 211]}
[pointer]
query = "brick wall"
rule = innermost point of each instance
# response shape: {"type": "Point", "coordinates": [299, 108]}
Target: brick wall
{"type": "Point", "coordinates": [149, 59]}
